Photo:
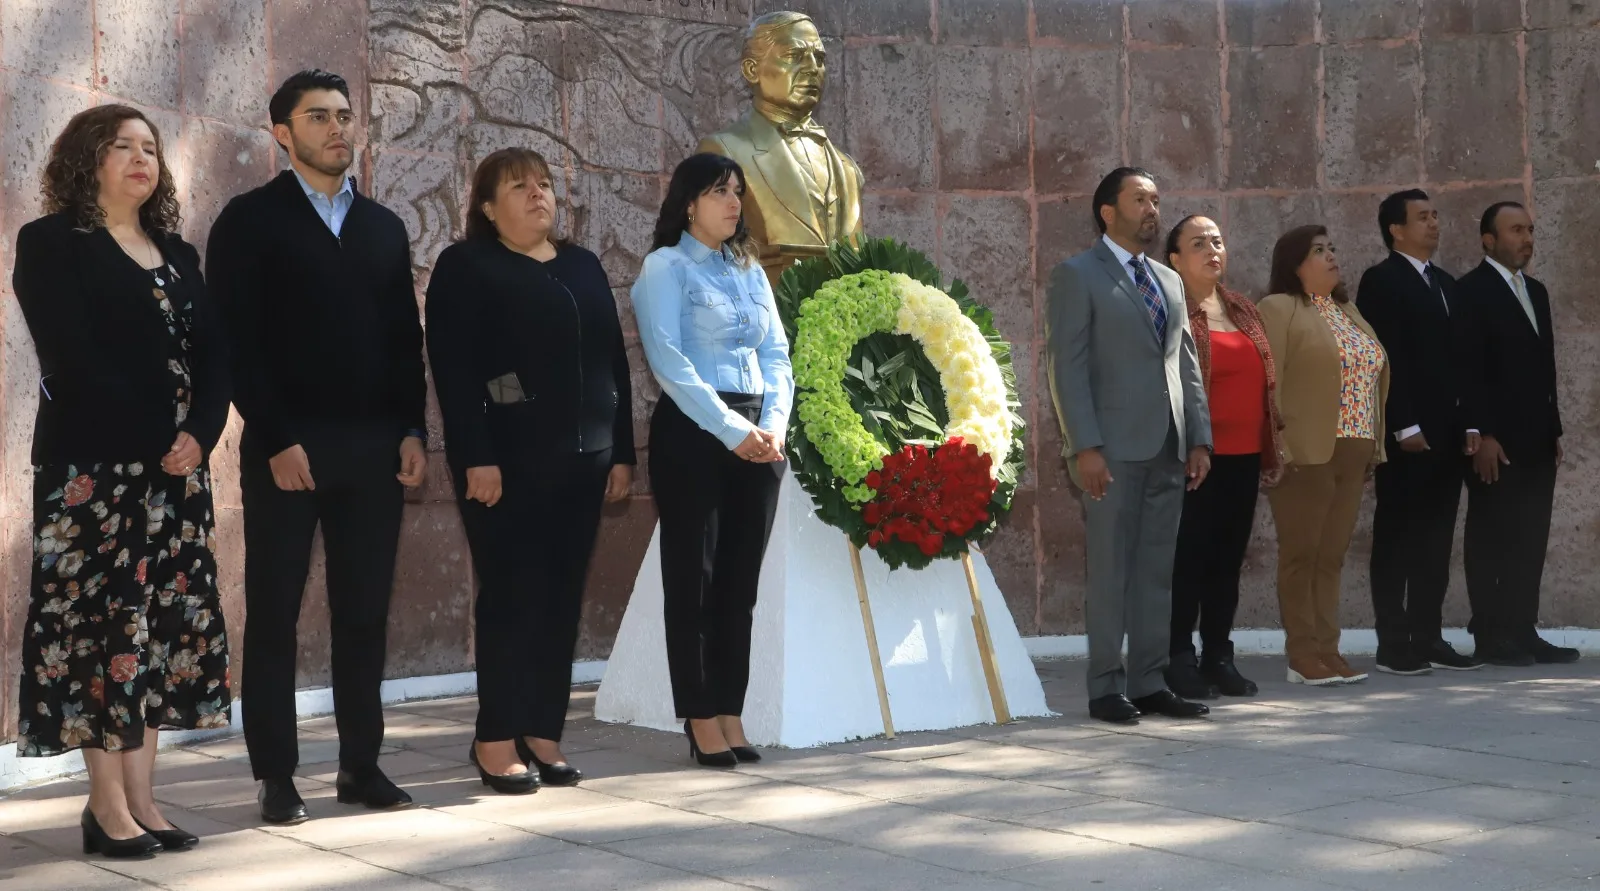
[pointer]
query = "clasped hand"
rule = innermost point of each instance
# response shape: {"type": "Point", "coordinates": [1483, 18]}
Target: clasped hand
{"type": "Point", "coordinates": [761, 447]}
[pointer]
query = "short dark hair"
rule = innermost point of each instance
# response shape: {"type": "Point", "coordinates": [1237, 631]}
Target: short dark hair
{"type": "Point", "coordinates": [70, 186]}
{"type": "Point", "coordinates": [299, 84]}
{"type": "Point", "coordinates": [1176, 235]}
{"type": "Point", "coordinates": [1393, 211]}
{"type": "Point", "coordinates": [693, 177]}
{"type": "Point", "coordinates": [1111, 187]}
{"type": "Point", "coordinates": [507, 164]}
{"type": "Point", "coordinates": [1492, 215]}
{"type": "Point", "coordinates": [1291, 250]}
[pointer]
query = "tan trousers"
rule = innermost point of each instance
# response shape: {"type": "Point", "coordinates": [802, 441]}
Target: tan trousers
{"type": "Point", "coordinates": [1315, 510]}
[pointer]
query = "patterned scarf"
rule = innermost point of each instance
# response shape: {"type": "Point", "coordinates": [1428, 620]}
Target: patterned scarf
{"type": "Point", "coordinates": [1244, 316]}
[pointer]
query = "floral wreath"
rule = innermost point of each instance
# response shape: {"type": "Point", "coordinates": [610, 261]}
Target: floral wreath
{"type": "Point", "coordinates": [905, 431]}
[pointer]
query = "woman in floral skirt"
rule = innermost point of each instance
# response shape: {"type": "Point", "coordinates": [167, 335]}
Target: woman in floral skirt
{"type": "Point", "coordinates": [124, 634]}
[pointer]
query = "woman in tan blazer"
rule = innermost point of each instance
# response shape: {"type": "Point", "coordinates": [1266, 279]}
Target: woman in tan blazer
{"type": "Point", "coordinates": [1333, 377]}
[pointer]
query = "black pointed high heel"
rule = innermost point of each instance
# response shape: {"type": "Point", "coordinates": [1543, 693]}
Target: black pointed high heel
{"type": "Point", "coordinates": [97, 841]}
{"type": "Point", "coordinates": [173, 839]}
{"type": "Point", "coordinates": [559, 773]}
{"type": "Point", "coordinates": [513, 784]}
{"type": "Point", "coordinates": [709, 759]}
{"type": "Point", "coordinates": [745, 754]}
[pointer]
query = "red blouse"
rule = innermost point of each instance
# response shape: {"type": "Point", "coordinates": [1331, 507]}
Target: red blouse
{"type": "Point", "coordinates": [1238, 378]}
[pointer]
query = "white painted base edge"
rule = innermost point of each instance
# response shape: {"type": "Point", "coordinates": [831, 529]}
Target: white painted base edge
{"type": "Point", "coordinates": [1269, 642]}
{"type": "Point", "coordinates": [308, 703]}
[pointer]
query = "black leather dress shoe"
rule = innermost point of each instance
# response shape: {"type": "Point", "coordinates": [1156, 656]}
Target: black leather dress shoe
{"type": "Point", "coordinates": [1171, 705]}
{"type": "Point", "coordinates": [1114, 708]}
{"type": "Point", "coordinates": [523, 783]}
{"type": "Point", "coordinates": [1399, 661]}
{"type": "Point", "coordinates": [1183, 677]}
{"type": "Point", "coordinates": [1216, 666]}
{"type": "Point", "coordinates": [173, 839]}
{"type": "Point", "coordinates": [559, 773]}
{"type": "Point", "coordinates": [97, 841]}
{"type": "Point", "coordinates": [371, 789]}
{"type": "Point", "coordinates": [280, 803]}
{"type": "Point", "coordinates": [1503, 653]}
{"type": "Point", "coordinates": [1440, 654]}
{"type": "Point", "coordinates": [1547, 653]}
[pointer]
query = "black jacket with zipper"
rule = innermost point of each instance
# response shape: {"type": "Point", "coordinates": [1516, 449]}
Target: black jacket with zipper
{"type": "Point", "coordinates": [493, 312]}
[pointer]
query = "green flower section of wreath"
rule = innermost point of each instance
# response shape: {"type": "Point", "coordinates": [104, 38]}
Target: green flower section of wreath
{"type": "Point", "coordinates": [883, 392]}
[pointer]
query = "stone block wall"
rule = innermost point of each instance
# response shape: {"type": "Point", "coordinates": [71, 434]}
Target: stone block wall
{"type": "Point", "coordinates": [981, 126]}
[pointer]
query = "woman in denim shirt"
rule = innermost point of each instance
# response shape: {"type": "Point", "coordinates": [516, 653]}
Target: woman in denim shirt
{"type": "Point", "coordinates": [711, 333]}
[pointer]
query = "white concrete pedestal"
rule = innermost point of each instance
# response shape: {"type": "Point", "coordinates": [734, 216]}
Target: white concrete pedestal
{"type": "Point", "coordinates": [810, 675]}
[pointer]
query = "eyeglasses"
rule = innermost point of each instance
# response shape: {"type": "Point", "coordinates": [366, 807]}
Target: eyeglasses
{"type": "Point", "coordinates": [321, 116]}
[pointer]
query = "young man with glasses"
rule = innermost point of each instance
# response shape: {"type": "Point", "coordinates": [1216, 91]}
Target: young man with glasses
{"type": "Point", "coordinates": [315, 282]}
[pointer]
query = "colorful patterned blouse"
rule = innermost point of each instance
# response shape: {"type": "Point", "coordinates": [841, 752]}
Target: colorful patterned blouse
{"type": "Point", "coordinates": [1362, 360]}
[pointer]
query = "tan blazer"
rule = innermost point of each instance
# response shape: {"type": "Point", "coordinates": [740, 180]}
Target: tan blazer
{"type": "Point", "coordinates": [772, 170]}
{"type": "Point", "coordinates": [1310, 376]}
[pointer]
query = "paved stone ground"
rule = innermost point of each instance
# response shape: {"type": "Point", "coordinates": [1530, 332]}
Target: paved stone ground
{"type": "Point", "coordinates": [1483, 780]}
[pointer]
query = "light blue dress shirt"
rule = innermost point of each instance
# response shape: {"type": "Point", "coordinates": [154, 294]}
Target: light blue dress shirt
{"type": "Point", "coordinates": [332, 210]}
{"type": "Point", "coordinates": [710, 324]}
{"type": "Point", "coordinates": [1124, 258]}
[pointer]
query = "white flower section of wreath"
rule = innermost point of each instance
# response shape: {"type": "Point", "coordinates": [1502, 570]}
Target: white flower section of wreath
{"type": "Point", "coordinates": [974, 391]}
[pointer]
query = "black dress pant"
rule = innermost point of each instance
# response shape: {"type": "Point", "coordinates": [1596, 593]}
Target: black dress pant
{"type": "Point", "coordinates": [716, 515]}
{"type": "Point", "coordinates": [358, 503]}
{"type": "Point", "coordinates": [1212, 538]}
{"type": "Point", "coordinates": [531, 554]}
{"type": "Point", "coordinates": [1508, 533]}
{"type": "Point", "coordinates": [1413, 531]}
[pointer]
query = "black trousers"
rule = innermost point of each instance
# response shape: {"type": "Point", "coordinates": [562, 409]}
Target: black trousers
{"type": "Point", "coordinates": [1508, 533]}
{"type": "Point", "coordinates": [531, 553]}
{"type": "Point", "coordinates": [716, 516]}
{"type": "Point", "coordinates": [358, 503]}
{"type": "Point", "coordinates": [1212, 538]}
{"type": "Point", "coordinates": [1413, 531]}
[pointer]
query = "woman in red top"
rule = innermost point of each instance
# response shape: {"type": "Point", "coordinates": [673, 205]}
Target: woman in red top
{"type": "Point", "coordinates": [1236, 366]}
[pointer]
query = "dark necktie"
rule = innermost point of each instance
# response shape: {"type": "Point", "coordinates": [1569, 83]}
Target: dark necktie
{"type": "Point", "coordinates": [1153, 303]}
{"type": "Point", "coordinates": [1435, 287]}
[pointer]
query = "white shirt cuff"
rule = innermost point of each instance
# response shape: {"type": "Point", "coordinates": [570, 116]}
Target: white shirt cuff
{"type": "Point", "coordinates": [1409, 432]}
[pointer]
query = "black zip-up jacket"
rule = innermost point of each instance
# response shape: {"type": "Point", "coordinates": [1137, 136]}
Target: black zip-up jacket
{"type": "Point", "coordinates": [492, 312]}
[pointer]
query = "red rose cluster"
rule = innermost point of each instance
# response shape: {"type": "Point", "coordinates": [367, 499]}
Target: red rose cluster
{"type": "Point", "coordinates": [924, 496]}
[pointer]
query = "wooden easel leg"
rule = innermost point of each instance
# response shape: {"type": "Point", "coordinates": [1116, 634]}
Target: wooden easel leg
{"type": "Point", "coordinates": [872, 638]}
{"type": "Point", "coordinates": [980, 628]}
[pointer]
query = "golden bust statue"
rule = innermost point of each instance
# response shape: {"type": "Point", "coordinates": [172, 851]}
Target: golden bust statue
{"type": "Point", "coordinates": [801, 192]}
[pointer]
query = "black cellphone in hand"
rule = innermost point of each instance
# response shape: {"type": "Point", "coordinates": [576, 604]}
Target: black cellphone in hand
{"type": "Point", "coordinates": [506, 390]}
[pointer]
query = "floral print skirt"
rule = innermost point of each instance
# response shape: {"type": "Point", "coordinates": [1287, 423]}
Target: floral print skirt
{"type": "Point", "coordinates": [124, 627]}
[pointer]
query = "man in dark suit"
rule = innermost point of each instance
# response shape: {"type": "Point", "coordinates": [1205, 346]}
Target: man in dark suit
{"type": "Point", "coordinates": [1126, 386]}
{"type": "Point", "coordinates": [315, 283]}
{"type": "Point", "coordinates": [1509, 353]}
{"type": "Point", "coordinates": [1408, 300]}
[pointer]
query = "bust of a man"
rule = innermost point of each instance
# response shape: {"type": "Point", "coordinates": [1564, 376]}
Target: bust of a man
{"type": "Point", "coordinates": [801, 192]}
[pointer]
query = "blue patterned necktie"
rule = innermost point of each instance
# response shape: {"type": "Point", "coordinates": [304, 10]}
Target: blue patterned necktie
{"type": "Point", "coordinates": [1152, 299]}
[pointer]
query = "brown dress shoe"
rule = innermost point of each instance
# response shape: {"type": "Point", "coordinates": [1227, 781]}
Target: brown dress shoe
{"type": "Point", "coordinates": [1313, 672]}
{"type": "Point", "coordinates": [1346, 674]}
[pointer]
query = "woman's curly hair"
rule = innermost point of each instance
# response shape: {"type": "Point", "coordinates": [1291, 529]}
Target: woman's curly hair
{"type": "Point", "coordinates": [70, 185]}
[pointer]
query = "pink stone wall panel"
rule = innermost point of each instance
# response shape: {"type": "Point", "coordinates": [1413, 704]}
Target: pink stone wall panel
{"type": "Point", "coordinates": [981, 127]}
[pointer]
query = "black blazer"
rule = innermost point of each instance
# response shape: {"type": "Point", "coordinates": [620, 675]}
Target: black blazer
{"type": "Point", "coordinates": [103, 346]}
{"type": "Point", "coordinates": [492, 312]}
{"type": "Point", "coordinates": [1421, 339]}
{"type": "Point", "coordinates": [323, 329]}
{"type": "Point", "coordinates": [1510, 390]}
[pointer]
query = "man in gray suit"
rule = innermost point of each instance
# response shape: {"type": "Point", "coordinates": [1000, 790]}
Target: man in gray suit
{"type": "Point", "coordinates": [1126, 385]}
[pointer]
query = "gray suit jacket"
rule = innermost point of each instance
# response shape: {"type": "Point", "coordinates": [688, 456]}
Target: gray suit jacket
{"type": "Point", "coordinates": [1114, 386]}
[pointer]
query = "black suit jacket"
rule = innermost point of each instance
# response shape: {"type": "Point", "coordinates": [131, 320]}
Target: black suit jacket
{"type": "Point", "coordinates": [1510, 390]}
{"type": "Point", "coordinates": [1421, 338]}
{"type": "Point", "coordinates": [103, 346]}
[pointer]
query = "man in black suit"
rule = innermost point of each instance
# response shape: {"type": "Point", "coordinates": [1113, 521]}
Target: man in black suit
{"type": "Point", "coordinates": [1509, 354]}
{"type": "Point", "coordinates": [1408, 300]}
{"type": "Point", "coordinates": [315, 282]}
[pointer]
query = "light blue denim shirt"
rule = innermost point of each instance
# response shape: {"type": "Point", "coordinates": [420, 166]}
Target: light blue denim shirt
{"type": "Point", "coordinates": [709, 324]}
{"type": "Point", "coordinates": [332, 210]}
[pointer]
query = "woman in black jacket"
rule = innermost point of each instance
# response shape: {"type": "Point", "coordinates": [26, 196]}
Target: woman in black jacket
{"type": "Point", "coordinates": [124, 633]}
{"type": "Point", "coordinates": [532, 376]}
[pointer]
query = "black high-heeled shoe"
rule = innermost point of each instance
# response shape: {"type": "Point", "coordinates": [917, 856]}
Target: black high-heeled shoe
{"type": "Point", "coordinates": [97, 841]}
{"type": "Point", "coordinates": [559, 773]}
{"type": "Point", "coordinates": [514, 784]}
{"type": "Point", "coordinates": [724, 758]}
{"type": "Point", "coordinates": [173, 839]}
{"type": "Point", "coordinates": [745, 754]}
